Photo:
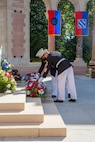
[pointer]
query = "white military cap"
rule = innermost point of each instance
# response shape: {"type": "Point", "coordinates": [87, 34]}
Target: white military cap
{"type": "Point", "coordinates": [41, 52]}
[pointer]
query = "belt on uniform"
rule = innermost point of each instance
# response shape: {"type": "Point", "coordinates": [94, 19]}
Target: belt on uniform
{"type": "Point", "coordinates": [59, 62]}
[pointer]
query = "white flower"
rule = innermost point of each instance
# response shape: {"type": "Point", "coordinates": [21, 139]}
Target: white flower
{"type": "Point", "coordinates": [41, 91]}
{"type": "Point", "coordinates": [27, 92]}
{"type": "Point", "coordinates": [8, 86]}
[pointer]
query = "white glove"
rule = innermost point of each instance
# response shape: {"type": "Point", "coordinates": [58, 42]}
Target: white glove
{"type": "Point", "coordinates": [40, 79]}
{"type": "Point", "coordinates": [38, 75]}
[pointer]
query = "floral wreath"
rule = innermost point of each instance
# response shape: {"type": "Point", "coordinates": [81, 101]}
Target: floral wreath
{"type": "Point", "coordinates": [34, 88]}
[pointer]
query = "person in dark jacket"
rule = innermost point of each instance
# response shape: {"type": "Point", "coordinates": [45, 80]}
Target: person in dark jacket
{"type": "Point", "coordinates": [53, 75]}
{"type": "Point", "coordinates": [60, 67]}
{"type": "Point", "coordinates": [52, 72]}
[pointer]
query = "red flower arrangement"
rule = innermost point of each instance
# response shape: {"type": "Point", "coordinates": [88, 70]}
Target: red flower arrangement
{"type": "Point", "coordinates": [34, 88]}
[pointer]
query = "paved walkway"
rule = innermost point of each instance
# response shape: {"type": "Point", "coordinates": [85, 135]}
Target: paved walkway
{"type": "Point", "coordinates": [79, 117]}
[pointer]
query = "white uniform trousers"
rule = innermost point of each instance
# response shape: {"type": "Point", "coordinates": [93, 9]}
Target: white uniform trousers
{"type": "Point", "coordinates": [67, 87]}
{"type": "Point", "coordinates": [54, 85]}
{"type": "Point", "coordinates": [68, 75]}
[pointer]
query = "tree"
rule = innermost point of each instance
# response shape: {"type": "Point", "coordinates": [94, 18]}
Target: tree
{"type": "Point", "coordinates": [66, 43]}
{"type": "Point", "coordinates": [38, 27]}
{"type": "Point", "coordinates": [87, 41]}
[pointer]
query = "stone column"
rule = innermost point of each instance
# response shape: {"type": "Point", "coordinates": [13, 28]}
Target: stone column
{"type": "Point", "coordinates": [79, 5]}
{"type": "Point", "coordinates": [51, 5]}
{"type": "Point", "coordinates": [51, 43]}
{"type": "Point", "coordinates": [79, 53]}
{"type": "Point", "coordinates": [3, 28]}
{"type": "Point", "coordinates": [18, 35]}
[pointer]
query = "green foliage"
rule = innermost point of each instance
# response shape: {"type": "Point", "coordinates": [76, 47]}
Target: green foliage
{"type": "Point", "coordinates": [66, 43]}
{"type": "Point", "coordinates": [7, 82]}
{"type": "Point", "coordinates": [86, 51]}
{"type": "Point", "coordinates": [38, 27]}
{"type": "Point", "coordinates": [67, 12]}
{"type": "Point", "coordinates": [70, 49]}
{"type": "Point", "coordinates": [87, 40]}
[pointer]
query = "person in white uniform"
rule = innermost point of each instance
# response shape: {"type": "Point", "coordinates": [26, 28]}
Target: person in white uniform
{"type": "Point", "coordinates": [55, 87]}
{"type": "Point", "coordinates": [52, 71]}
{"type": "Point", "coordinates": [64, 71]}
{"type": "Point", "coordinates": [54, 79]}
{"type": "Point", "coordinates": [53, 75]}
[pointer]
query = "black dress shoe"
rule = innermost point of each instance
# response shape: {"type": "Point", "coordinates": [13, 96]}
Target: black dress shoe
{"type": "Point", "coordinates": [53, 96]}
{"type": "Point", "coordinates": [72, 100]}
{"type": "Point", "coordinates": [59, 101]}
{"type": "Point", "coordinates": [69, 95]}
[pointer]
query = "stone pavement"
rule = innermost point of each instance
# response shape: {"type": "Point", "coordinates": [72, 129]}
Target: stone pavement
{"type": "Point", "coordinates": [79, 117]}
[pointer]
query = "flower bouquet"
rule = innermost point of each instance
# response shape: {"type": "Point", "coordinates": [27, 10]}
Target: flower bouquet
{"type": "Point", "coordinates": [7, 82]}
{"type": "Point", "coordinates": [6, 66]}
{"type": "Point", "coordinates": [9, 68]}
{"type": "Point", "coordinates": [33, 87]}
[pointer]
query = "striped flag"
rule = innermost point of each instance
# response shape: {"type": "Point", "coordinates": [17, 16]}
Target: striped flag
{"type": "Point", "coordinates": [54, 22]}
{"type": "Point", "coordinates": [81, 23]}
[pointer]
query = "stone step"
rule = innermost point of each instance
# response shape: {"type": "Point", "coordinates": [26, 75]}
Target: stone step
{"type": "Point", "coordinates": [21, 83]}
{"type": "Point", "coordinates": [53, 125]}
{"type": "Point", "coordinates": [11, 102]}
{"type": "Point", "coordinates": [33, 112]}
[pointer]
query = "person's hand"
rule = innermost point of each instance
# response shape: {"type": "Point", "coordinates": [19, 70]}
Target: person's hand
{"type": "Point", "coordinates": [40, 79]}
{"type": "Point", "coordinates": [38, 75]}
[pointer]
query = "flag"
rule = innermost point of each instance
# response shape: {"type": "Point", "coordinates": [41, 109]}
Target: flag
{"type": "Point", "coordinates": [81, 23]}
{"type": "Point", "coordinates": [54, 22]}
